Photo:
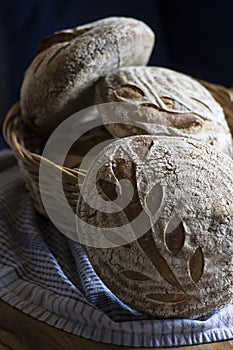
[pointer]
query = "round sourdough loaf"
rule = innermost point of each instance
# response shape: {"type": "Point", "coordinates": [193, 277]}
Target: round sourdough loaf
{"type": "Point", "coordinates": [160, 101]}
{"type": "Point", "coordinates": [60, 79]}
{"type": "Point", "coordinates": [182, 265]}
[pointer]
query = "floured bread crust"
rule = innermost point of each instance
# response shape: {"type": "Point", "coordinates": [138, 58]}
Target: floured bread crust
{"type": "Point", "coordinates": [60, 79]}
{"type": "Point", "coordinates": [182, 266]}
{"type": "Point", "coordinates": [159, 101]}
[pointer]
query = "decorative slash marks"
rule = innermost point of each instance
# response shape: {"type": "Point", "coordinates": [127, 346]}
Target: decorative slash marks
{"type": "Point", "coordinates": [137, 276]}
{"type": "Point", "coordinates": [174, 237]}
{"type": "Point", "coordinates": [168, 298]}
{"type": "Point", "coordinates": [196, 265]}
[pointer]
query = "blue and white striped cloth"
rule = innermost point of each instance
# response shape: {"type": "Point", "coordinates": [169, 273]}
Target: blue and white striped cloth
{"type": "Point", "coordinates": [49, 277]}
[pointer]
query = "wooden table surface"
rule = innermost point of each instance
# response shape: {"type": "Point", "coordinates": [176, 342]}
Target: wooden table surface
{"type": "Point", "coordinates": [19, 331]}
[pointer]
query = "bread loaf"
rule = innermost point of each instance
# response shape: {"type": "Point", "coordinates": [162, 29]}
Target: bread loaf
{"type": "Point", "coordinates": [182, 266]}
{"type": "Point", "coordinates": [160, 101]}
{"type": "Point", "coordinates": [60, 79]}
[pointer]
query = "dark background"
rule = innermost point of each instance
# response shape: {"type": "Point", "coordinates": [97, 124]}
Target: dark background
{"type": "Point", "coordinates": [195, 37]}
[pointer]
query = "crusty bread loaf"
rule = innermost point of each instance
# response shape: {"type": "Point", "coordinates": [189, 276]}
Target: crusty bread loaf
{"type": "Point", "coordinates": [160, 101]}
{"type": "Point", "coordinates": [60, 79]}
{"type": "Point", "coordinates": [182, 266]}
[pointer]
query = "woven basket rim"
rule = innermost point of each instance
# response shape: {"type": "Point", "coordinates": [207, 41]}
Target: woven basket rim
{"type": "Point", "coordinates": [10, 133]}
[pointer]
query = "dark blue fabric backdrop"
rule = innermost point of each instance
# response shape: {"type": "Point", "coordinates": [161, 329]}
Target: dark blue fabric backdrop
{"type": "Point", "coordinates": [195, 37]}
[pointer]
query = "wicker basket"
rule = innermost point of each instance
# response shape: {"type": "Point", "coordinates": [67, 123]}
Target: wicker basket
{"type": "Point", "coordinates": [224, 96]}
{"type": "Point", "coordinates": [30, 162]}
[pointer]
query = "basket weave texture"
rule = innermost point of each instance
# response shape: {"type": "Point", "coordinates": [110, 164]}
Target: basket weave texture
{"type": "Point", "coordinates": [29, 162]}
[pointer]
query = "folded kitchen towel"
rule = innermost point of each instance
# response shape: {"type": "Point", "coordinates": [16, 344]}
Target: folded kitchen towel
{"type": "Point", "coordinates": [48, 276]}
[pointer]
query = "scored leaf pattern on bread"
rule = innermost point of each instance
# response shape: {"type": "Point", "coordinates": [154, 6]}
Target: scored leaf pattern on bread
{"type": "Point", "coordinates": [175, 238]}
{"type": "Point", "coordinates": [134, 275]}
{"type": "Point", "coordinates": [196, 265]}
{"type": "Point", "coordinates": [174, 235]}
{"type": "Point", "coordinates": [147, 244]}
{"type": "Point", "coordinates": [168, 298]}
